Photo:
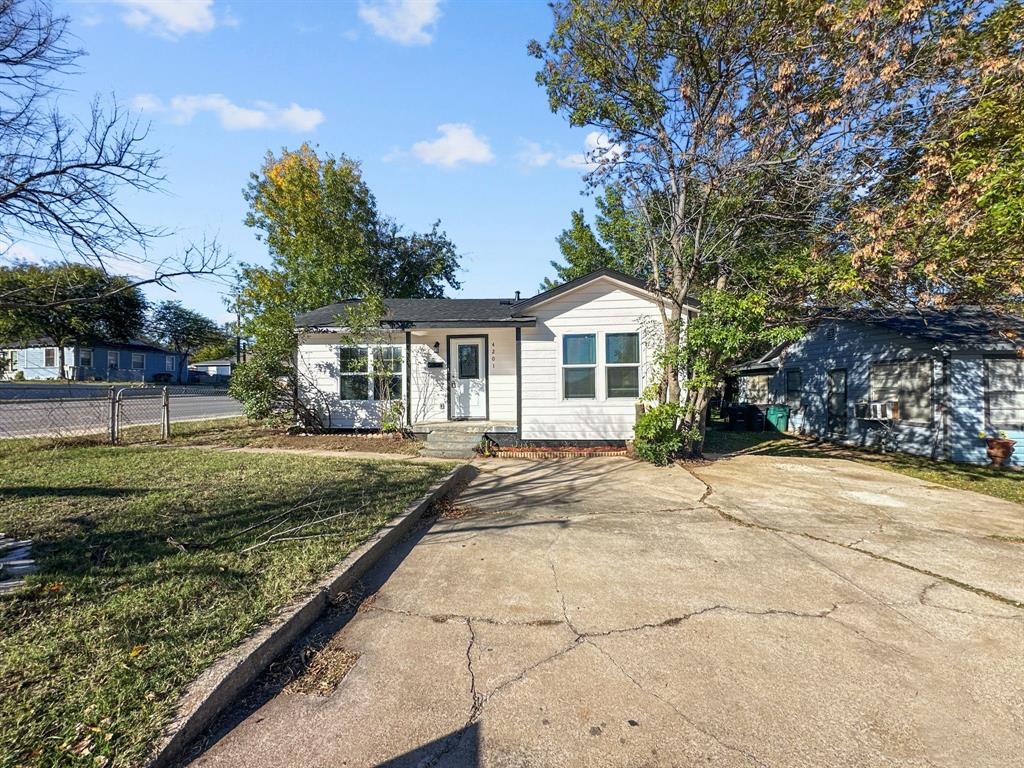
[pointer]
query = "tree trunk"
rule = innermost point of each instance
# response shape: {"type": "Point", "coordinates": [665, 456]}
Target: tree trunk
{"type": "Point", "coordinates": [62, 374]}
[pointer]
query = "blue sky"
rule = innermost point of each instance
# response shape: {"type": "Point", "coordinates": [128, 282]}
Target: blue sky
{"type": "Point", "coordinates": [437, 100]}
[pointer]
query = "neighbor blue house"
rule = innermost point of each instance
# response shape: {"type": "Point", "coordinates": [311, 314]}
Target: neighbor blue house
{"type": "Point", "coordinates": [137, 360]}
{"type": "Point", "coordinates": [925, 383]}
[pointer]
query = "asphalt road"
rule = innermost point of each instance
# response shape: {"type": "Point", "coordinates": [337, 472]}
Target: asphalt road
{"type": "Point", "coordinates": [52, 416]}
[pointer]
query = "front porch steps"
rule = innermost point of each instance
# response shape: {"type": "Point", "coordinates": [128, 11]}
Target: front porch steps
{"type": "Point", "coordinates": [457, 439]}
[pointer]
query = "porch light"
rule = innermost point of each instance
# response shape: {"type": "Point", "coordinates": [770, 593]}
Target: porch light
{"type": "Point", "coordinates": [437, 347]}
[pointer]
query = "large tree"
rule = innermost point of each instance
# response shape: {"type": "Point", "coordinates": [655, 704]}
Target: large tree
{"type": "Point", "coordinates": [51, 306]}
{"type": "Point", "coordinates": [741, 127]}
{"type": "Point", "coordinates": [327, 242]}
{"type": "Point", "coordinates": [181, 330]}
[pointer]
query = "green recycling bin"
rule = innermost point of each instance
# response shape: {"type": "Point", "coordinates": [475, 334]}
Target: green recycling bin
{"type": "Point", "coordinates": [778, 417]}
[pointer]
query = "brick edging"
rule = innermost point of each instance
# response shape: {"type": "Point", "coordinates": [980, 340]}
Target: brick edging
{"type": "Point", "coordinates": [217, 688]}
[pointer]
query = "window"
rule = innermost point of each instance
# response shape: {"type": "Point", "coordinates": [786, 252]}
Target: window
{"type": "Point", "coordinates": [112, 362]}
{"type": "Point", "coordinates": [170, 364]}
{"type": "Point", "coordinates": [49, 357]}
{"type": "Point", "coordinates": [12, 359]}
{"type": "Point", "coordinates": [1004, 393]}
{"type": "Point", "coordinates": [85, 357]}
{"type": "Point", "coordinates": [579, 366]}
{"type": "Point", "coordinates": [754, 389]}
{"type": "Point", "coordinates": [370, 373]}
{"type": "Point", "coordinates": [622, 364]}
{"type": "Point", "coordinates": [909, 383]}
{"type": "Point", "coordinates": [138, 361]}
{"type": "Point", "coordinates": [794, 387]}
{"type": "Point", "coordinates": [469, 361]}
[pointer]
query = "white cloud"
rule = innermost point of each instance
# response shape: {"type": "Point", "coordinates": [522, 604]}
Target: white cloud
{"type": "Point", "coordinates": [15, 252]}
{"type": "Point", "coordinates": [408, 22]}
{"type": "Point", "coordinates": [169, 18]}
{"type": "Point", "coordinates": [261, 115]}
{"type": "Point", "coordinates": [533, 155]}
{"type": "Point", "coordinates": [457, 144]}
{"type": "Point", "coordinates": [597, 147]}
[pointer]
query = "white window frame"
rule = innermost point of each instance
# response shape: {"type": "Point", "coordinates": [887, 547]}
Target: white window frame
{"type": "Point", "coordinates": [1016, 424]}
{"type": "Point", "coordinates": [82, 353]}
{"type": "Point", "coordinates": [50, 358]}
{"type": "Point", "coordinates": [607, 365]}
{"type": "Point", "coordinates": [170, 364]}
{"type": "Point", "coordinates": [12, 359]}
{"type": "Point", "coordinates": [901, 393]}
{"type": "Point", "coordinates": [370, 350]}
{"type": "Point", "coordinates": [595, 366]}
{"type": "Point", "coordinates": [141, 355]}
{"type": "Point", "coordinates": [113, 356]}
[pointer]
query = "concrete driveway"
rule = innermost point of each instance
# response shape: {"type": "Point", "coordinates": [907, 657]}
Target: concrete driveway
{"type": "Point", "coordinates": [756, 612]}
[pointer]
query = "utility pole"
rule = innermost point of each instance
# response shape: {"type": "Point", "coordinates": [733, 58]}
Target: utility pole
{"type": "Point", "coordinates": [238, 328]}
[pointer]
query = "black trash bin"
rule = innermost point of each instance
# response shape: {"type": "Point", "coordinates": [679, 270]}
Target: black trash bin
{"type": "Point", "coordinates": [754, 418]}
{"type": "Point", "coordinates": [737, 418]}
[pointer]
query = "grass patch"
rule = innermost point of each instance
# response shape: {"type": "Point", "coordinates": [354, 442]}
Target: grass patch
{"type": "Point", "coordinates": [144, 580]}
{"type": "Point", "coordinates": [238, 432]}
{"type": "Point", "coordinates": [1005, 484]}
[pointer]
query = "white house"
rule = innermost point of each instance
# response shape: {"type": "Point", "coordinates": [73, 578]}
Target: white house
{"type": "Point", "coordinates": [567, 365]}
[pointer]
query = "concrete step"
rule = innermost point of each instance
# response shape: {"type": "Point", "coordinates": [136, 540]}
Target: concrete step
{"type": "Point", "coordinates": [452, 442]}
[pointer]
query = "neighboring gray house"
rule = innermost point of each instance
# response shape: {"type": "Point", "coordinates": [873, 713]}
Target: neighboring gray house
{"type": "Point", "coordinates": [212, 370]}
{"type": "Point", "coordinates": [136, 360]}
{"type": "Point", "coordinates": [924, 383]}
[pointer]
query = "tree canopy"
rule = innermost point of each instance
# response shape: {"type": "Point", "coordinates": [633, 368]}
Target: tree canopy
{"type": "Point", "coordinates": [52, 307]}
{"type": "Point", "coordinates": [181, 330]}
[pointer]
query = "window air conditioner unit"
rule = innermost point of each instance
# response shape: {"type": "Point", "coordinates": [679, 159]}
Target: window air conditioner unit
{"type": "Point", "coordinates": [882, 410]}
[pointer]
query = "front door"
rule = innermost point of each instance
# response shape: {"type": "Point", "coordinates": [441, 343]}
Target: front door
{"type": "Point", "coordinates": [467, 377]}
{"type": "Point", "coordinates": [837, 401]}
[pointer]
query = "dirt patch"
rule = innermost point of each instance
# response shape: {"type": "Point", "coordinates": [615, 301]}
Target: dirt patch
{"type": "Point", "coordinates": [322, 669]}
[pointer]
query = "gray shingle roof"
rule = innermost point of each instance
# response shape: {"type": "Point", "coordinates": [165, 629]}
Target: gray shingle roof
{"type": "Point", "coordinates": [435, 312]}
{"type": "Point", "coordinates": [956, 328]}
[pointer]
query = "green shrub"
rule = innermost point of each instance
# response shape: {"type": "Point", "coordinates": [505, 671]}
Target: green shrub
{"type": "Point", "coordinates": [262, 385]}
{"type": "Point", "coordinates": [656, 435]}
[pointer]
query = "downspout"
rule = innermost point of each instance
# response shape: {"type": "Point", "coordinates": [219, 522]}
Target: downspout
{"type": "Point", "coordinates": [408, 379]}
{"type": "Point", "coordinates": [947, 448]}
{"type": "Point", "coordinates": [519, 384]}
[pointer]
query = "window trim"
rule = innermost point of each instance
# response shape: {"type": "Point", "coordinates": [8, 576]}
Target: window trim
{"type": "Point", "coordinates": [170, 364]}
{"type": "Point", "coordinates": [138, 367]}
{"type": "Point", "coordinates": [1017, 426]}
{"type": "Point", "coordinates": [607, 365]}
{"type": "Point", "coordinates": [113, 354]}
{"type": "Point", "coordinates": [12, 360]}
{"type": "Point", "coordinates": [81, 354]}
{"type": "Point", "coordinates": [930, 362]}
{"type": "Point", "coordinates": [368, 372]}
{"type": "Point", "coordinates": [573, 366]}
{"type": "Point", "coordinates": [50, 358]}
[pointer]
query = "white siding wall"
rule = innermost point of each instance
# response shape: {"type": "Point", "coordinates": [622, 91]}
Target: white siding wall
{"type": "Point", "coordinates": [429, 401]}
{"type": "Point", "coordinates": [319, 387]}
{"type": "Point", "coordinates": [600, 307]}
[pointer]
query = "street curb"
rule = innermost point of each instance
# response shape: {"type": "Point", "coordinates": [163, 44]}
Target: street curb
{"type": "Point", "coordinates": [218, 687]}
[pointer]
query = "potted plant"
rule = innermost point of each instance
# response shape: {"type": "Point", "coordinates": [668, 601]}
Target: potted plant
{"type": "Point", "coordinates": [999, 447]}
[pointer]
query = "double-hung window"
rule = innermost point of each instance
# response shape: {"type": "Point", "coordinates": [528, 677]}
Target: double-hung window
{"type": "Point", "coordinates": [909, 384]}
{"type": "Point", "coordinates": [371, 373]}
{"type": "Point", "coordinates": [49, 357]}
{"type": "Point", "coordinates": [1004, 393]}
{"type": "Point", "coordinates": [622, 364]}
{"type": "Point", "coordinates": [112, 360]}
{"type": "Point", "coordinates": [169, 363]}
{"type": "Point", "coordinates": [138, 361]}
{"type": "Point", "coordinates": [85, 357]}
{"type": "Point", "coordinates": [12, 359]}
{"type": "Point", "coordinates": [579, 366]}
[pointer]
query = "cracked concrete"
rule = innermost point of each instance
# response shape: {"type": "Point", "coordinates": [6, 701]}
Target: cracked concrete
{"type": "Point", "coordinates": [760, 612]}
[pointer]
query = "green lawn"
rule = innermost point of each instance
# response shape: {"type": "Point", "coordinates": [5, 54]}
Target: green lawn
{"type": "Point", "coordinates": [1002, 483]}
{"type": "Point", "coordinates": [144, 578]}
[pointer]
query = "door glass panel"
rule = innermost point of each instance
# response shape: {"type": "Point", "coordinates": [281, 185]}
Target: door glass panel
{"type": "Point", "coordinates": [469, 361]}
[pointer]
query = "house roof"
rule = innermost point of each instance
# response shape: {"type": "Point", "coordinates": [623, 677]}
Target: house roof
{"type": "Point", "coordinates": [611, 274]}
{"type": "Point", "coordinates": [440, 313]}
{"type": "Point", "coordinates": [958, 329]}
{"type": "Point", "coordinates": [405, 313]}
{"type": "Point", "coordinates": [223, 361]}
{"type": "Point", "coordinates": [138, 345]}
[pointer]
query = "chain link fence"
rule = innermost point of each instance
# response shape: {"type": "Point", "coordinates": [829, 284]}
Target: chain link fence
{"type": "Point", "coordinates": [115, 414]}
